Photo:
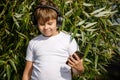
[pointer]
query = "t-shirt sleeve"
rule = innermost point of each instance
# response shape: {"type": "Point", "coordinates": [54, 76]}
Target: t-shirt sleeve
{"type": "Point", "coordinates": [73, 46]}
{"type": "Point", "coordinates": [29, 52]}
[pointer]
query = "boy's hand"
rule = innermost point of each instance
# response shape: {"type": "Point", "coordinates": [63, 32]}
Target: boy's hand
{"type": "Point", "coordinates": [75, 62]}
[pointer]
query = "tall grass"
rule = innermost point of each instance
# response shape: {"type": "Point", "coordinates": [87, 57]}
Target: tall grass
{"type": "Point", "coordinates": [89, 21]}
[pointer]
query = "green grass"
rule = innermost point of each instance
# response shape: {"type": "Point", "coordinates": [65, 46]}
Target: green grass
{"type": "Point", "coordinates": [89, 21]}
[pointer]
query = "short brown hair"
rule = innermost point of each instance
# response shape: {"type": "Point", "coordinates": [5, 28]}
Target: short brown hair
{"type": "Point", "coordinates": [44, 14]}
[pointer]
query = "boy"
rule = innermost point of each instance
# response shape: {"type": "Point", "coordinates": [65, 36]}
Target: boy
{"type": "Point", "coordinates": [48, 53]}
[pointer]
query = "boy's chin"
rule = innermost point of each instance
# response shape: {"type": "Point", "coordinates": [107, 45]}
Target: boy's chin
{"type": "Point", "coordinates": [50, 34]}
{"type": "Point", "coordinates": [47, 35]}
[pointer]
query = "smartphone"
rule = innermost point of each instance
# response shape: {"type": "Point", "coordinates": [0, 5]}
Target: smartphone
{"type": "Point", "coordinates": [80, 55]}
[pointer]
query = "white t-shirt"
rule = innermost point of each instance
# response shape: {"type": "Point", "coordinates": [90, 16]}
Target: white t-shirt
{"type": "Point", "coordinates": [49, 56]}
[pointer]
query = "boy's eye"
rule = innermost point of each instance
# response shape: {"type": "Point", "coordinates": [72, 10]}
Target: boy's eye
{"type": "Point", "coordinates": [41, 24]}
{"type": "Point", "coordinates": [50, 23]}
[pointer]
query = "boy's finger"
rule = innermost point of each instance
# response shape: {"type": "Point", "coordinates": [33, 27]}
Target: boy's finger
{"type": "Point", "coordinates": [76, 56]}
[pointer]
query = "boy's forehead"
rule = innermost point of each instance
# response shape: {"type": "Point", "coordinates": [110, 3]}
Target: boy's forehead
{"type": "Point", "coordinates": [49, 20]}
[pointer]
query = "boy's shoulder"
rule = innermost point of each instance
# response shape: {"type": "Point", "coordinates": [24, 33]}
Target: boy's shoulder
{"type": "Point", "coordinates": [37, 38]}
{"type": "Point", "coordinates": [66, 33]}
{"type": "Point", "coordinates": [71, 34]}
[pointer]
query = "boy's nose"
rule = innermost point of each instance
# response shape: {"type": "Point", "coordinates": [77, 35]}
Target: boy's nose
{"type": "Point", "coordinates": [45, 26]}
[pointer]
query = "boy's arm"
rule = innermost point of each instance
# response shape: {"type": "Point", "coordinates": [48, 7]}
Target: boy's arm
{"type": "Point", "coordinates": [27, 71]}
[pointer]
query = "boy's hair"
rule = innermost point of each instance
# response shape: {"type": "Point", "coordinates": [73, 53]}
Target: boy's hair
{"type": "Point", "coordinates": [45, 11]}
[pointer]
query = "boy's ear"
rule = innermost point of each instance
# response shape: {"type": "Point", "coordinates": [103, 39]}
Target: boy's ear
{"type": "Point", "coordinates": [59, 21]}
{"type": "Point", "coordinates": [34, 21]}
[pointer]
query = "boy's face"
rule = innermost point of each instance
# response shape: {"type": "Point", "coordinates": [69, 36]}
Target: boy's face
{"type": "Point", "coordinates": [49, 28]}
